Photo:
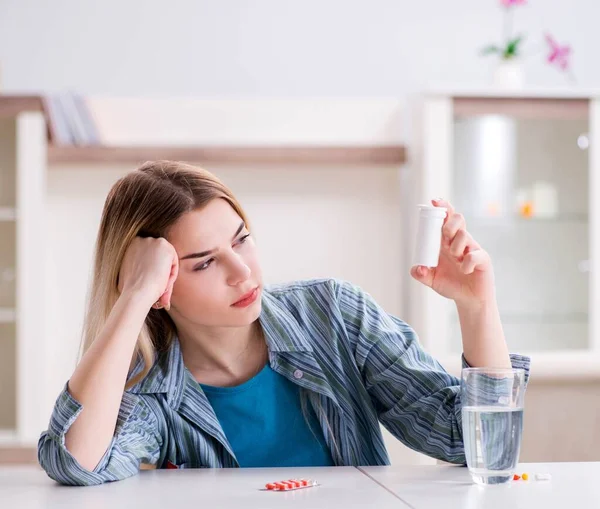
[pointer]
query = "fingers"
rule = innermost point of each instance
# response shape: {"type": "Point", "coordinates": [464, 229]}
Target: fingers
{"type": "Point", "coordinates": [172, 279]}
{"type": "Point", "coordinates": [423, 274]}
{"type": "Point", "coordinates": [174, 271]}
{"type": "Point", "coordinates": [454, 223]}
{"type": "Point", "coordinates": [457, 242]}
{"type": "Point", "coordinates": [462, 240]}
{"type": "Point", "coordinates": [475, 260]}
{"type": "Point", "coordinates": [461, 243]}
{"type": "Point", "coordinates": [165, 299]}
{"type": "Point", "coordinates": [439, 202]}
{"type": "Point", "coordinates": [454, 231]}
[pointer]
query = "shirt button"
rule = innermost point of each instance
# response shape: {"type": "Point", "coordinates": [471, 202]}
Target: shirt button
{"type": "Point", "coordinates": [298, 374]}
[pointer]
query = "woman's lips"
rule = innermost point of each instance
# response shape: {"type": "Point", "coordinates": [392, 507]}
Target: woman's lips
{"type": "Point", "coordinates": [247, 299]}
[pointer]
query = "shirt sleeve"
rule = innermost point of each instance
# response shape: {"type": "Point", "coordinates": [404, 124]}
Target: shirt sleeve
{"type": "Point", "coordinates": [136, 440]}
{"type": "Point", "coordinates": [416, 399]}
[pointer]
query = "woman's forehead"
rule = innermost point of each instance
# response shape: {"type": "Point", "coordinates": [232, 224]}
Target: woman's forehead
{"type": "Point", "coordinates": [215, 223]}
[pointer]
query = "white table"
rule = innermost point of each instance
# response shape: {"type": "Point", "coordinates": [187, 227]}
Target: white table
{"type": "Point", "coordinates": [573, 486]}
{"type": "Point", "coordinates": [343, 487]}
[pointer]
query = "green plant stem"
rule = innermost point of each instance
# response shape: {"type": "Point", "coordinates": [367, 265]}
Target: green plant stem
{"type": "Point", "coordinates": [508, 22]}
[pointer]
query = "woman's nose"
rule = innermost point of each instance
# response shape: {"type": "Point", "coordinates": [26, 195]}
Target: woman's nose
{"type": "Point", "coordinates": [239, 272]}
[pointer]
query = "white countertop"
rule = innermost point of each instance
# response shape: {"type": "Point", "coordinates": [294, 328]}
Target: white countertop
{"type": "Point", "coordinates": [573, 485]}
{"type": "Point", "coordinates": [410, 486]}
{"type": "Point", "coordinates": [343, 487]}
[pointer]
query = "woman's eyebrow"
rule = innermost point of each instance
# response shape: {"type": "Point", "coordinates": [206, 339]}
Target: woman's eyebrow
{"type": "Point", "coordinates": [202, 254]}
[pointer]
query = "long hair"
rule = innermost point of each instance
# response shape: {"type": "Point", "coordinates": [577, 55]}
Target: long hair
{"type": "Point", "coordinates": [146, 202]}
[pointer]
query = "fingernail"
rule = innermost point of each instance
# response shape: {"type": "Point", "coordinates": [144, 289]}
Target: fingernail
{"type": "Point", "coordinates": [168, 307]}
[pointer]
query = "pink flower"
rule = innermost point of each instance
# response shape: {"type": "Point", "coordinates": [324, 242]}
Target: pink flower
{"type": "Point", "coordinates": [559, 55]}
{"type": "Point", "coordinates": [512, 3]}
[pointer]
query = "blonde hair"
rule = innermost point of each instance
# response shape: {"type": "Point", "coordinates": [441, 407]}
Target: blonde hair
{"type": "Point", "coordinates": [146, 202]}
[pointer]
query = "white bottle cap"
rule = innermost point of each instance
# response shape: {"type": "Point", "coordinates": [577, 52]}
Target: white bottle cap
{"type": "Point", "coordinates": [429, 235]}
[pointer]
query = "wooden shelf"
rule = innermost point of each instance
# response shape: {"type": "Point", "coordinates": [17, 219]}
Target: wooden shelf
{"type": "Point", "coordinates": [534, 108]}
{"type": "Point", "coordinates": [8, 214]}
{"type": "Point", "coordinates": [261, 154]}
{"type": "Point", "coordinates": [7, 315]}
{"type": "Point", "coordinates": [12, 105]}
{"type": "Point", "coordinates": [379, 155]}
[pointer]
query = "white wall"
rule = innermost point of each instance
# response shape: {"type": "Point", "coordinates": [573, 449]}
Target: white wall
{"type": "Point", "coordinates": [276, 47]}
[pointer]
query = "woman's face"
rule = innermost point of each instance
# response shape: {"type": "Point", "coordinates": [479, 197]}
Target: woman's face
{"type": "Point", "coordinates": [220, 281]}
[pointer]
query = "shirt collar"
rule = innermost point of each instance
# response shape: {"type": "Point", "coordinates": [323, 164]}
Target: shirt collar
{"type": "Point", "coordinates": [282, 332]}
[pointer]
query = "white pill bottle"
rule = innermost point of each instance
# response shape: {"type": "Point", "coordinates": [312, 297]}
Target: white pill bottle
{"type": "Point", "coordinates": [429, 235]}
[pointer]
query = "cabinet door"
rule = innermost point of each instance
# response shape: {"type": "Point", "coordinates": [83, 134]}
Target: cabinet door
{"type": "Point", "coordinates": [8, 362]}
{"type": "Point", "coordinates": [23, 361]}
{"type": "Point", "coordinates": [8, 249]}
{"type": "Point", "coordinates": [520, 174]}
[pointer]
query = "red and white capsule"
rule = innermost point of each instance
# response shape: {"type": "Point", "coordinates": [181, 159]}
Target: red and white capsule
{"type": "Point", "coordinates": [290, 484]}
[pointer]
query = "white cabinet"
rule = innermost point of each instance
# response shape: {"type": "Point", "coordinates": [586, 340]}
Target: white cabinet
{"type": "Point", "coordinates": [523, 169]}
{"type": "Point", "coordinates": [22, 369]}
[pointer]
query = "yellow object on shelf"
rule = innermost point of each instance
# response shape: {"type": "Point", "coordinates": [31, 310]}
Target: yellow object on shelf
{"type": "Point", "coordinates": [526, 209]}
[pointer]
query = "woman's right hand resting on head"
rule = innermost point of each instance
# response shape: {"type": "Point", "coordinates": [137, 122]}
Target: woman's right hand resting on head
{"type": "Point", "coordinates": [149, 269]}
{"type": "Point", "coordinates": [146, 277]}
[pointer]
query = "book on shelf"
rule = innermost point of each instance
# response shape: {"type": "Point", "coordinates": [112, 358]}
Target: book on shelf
{"type": "Point", "coordinates": [70, 120]}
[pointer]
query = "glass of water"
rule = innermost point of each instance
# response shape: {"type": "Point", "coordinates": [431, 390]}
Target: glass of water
{"type": "Point", "coordinates": [492, 422]}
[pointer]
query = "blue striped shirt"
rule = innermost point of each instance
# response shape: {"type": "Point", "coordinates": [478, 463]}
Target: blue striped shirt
{"type": "Point", "coordinates": [357, 365]}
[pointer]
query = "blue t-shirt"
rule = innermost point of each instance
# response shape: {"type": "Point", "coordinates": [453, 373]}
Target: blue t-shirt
{"type": "Point", "coordinates": [264, 423]}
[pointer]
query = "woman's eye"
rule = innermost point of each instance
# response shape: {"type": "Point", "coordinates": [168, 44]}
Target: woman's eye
{"type": "Point", "coordinates": [205, 265]}
{"type": "Point", "coordinates": [243, 239]}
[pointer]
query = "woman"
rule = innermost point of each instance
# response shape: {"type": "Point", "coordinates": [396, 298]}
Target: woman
{"type": "Point", "coordinates": [190, 362]}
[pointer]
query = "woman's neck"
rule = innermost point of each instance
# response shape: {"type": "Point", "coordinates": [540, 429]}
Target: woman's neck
{"type": "Point", "coordinates": [224, 357]}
